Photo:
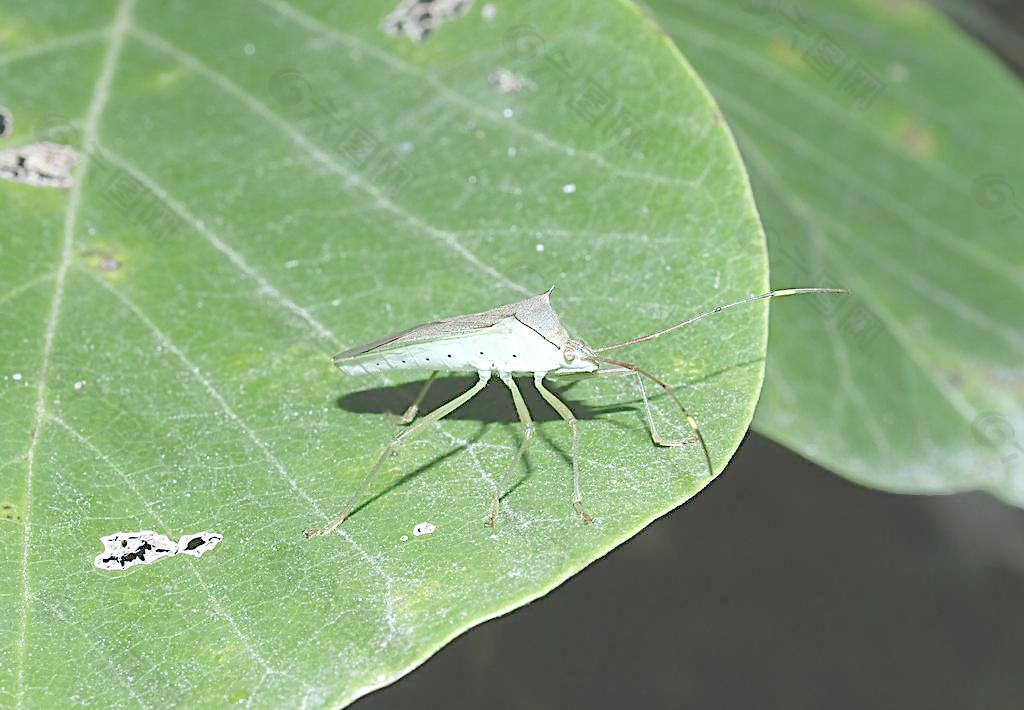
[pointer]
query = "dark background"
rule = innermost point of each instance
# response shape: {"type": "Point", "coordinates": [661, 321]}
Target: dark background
{"type": "Point", "coordinates": [780, 586]}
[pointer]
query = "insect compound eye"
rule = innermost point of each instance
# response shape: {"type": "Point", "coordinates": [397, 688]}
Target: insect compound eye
{"type": "Point", "coordinates": [570, 354]}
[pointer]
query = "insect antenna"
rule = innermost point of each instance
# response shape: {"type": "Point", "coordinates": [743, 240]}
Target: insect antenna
{"type": "Point", "coordinates": [719, 309]}
{"type": "Point", "coordinates": [669, 391]}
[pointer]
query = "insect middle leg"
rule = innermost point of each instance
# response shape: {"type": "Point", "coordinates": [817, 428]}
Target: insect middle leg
{"type": "Point", "coordinates": [524, 417]}
{"type": "Point", "coordinates": [399, 438]}
{"type": "Point", "coordinates": [563, 411]}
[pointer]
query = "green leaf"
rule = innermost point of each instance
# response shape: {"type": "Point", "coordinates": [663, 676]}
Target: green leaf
{"type": "Point", "coordinates": [885, 153]}
{"type": "Point", "coordinates": [263, 184]}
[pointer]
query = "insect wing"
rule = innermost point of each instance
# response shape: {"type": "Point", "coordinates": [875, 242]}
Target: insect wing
{"type": "Point", "coordinates": [536, 313]}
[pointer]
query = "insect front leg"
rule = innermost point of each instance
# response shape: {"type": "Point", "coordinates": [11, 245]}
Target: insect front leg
{"type": "Point", "coordinates": [414, 408]}
{"type": "Point", "coordinates": [564, 412]}
{"type": "Point", "coordinates": [524, 417]}
{"type": "Point", "coordinates": [399, 438]}
{"type": "Point", "coordinates": [655, 437]}
{"type": "Point", "coordinates": [690, 420]}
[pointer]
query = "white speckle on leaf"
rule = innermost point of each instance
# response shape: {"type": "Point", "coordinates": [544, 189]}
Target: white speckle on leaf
{"type": "Point", "coordinates": [539, 248]}
{"type": "Point", "coordinates": [472, 179]}
{"type": "Point", "coordinates": [291, 264]}
{"type": "Point", "coordinates": [404, 538]}
{"type": "Point", "coordinates": [417, 19]}
{"type": "Point", "coordinates": [424, 529]}
{"type": "Point", "coordinates": [569, 188]}
{"type": "Point", "coordinates": [127, 549]}
{"type": "Point", "coordinates": [16, 377]}
{"type": "Point", "coordinates": [488, 12]}
{"type": "Point", "coordinates": [507, 81]}
{"type": "Point", "coordinates": [199, 543]}
{"type": "Point", "coordinates": [512, 151]}
{"type": "Point", "coordinates": [898, 72]}
{"type": "Point", "coordinates": [249, 49]}
{"type": "Point", "coordinates": [508, 113]}
{"type": "Point", "coordinates": [79, 386]}
{"type": "Point", "coordinates": [91, 231]}
{"type": "Point", "coordinates": [41, 164]}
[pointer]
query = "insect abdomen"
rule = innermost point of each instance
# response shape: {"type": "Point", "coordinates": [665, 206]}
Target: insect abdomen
{"type": "Point", "coordinates": [520, 351]}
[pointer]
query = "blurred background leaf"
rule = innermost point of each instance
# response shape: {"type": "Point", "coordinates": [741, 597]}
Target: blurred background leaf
{"type": "Point", "coordinates": [884, 147]}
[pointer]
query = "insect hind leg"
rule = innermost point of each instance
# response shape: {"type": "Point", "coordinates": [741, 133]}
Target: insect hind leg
{"type": "Point", "coordinates": [399, 438]}
{"type": "Point", "coordinates": [414, 408]}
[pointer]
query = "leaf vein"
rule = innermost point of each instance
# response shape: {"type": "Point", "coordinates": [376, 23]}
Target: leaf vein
{"type": "Point", "coordinates": [259, 108]}
{"type": "Point", "coordinates": [264, 448]}
{"type": "Point", "coordinates": [55, 45]}
{"type": "Point", "coordinates": [236, 259]}
{"type": "Point", "coordinates": [311, 23]}
{"type": "Point", "coordinates": [217, 608]}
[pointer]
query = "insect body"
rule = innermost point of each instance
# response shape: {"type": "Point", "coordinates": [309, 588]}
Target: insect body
{"type": "Point", "coordinates": [521, 338]}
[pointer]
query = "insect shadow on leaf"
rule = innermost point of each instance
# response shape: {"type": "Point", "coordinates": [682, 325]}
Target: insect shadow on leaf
{"type": "Point", "coordinates": [491, 406]}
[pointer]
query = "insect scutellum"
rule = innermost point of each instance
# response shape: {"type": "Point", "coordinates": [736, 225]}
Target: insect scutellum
{"type": "Point", "coordinates": [525, 338]}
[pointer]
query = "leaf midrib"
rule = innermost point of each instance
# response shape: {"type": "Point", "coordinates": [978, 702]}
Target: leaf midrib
{"type": "Point", "coordinates": [97, 101]}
